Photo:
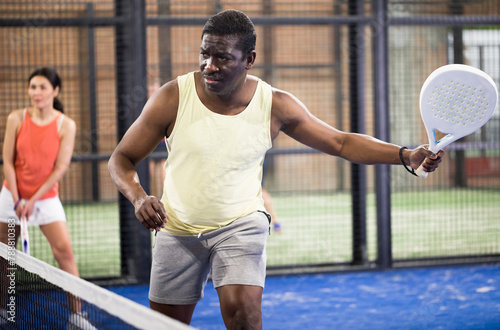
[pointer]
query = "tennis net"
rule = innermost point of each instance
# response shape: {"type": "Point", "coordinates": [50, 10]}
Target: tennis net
{"type": "Point", "coordinates": [36, 295]}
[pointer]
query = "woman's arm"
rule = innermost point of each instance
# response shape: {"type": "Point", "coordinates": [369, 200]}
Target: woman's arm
{"type": "Point", "coordinates": [14, 121]}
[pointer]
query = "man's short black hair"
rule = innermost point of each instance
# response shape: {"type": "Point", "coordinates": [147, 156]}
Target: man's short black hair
{"type": "Point", "coordinates": [233, 23]}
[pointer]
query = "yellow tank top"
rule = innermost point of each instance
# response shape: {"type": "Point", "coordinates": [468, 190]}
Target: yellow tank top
{"type": "Point", "coordinates": [214, 165]}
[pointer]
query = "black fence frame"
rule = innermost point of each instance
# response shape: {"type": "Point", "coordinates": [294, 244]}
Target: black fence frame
{"type": "Point", "coordinates": [130, 22]}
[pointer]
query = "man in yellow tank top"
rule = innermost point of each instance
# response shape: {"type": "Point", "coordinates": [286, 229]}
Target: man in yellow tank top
{"type": "Point", "coordinates": [218, 123]}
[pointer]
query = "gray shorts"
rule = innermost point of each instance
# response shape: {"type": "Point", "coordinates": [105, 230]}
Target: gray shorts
{"type": "Point", "coordinates": [235, 254]}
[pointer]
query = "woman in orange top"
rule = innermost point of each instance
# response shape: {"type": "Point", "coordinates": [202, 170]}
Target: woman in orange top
{"type": "Point", "coordinates": [37, 152]}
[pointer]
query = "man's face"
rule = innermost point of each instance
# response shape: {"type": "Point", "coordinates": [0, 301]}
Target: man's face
{"type": "Point", "coordinates": [222, 64]}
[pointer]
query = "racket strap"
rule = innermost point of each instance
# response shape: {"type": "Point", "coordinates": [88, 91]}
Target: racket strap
{"type": "Point", "coordinates": [17, 203]}
{"type": "Point", "coordinates": [408, 168]}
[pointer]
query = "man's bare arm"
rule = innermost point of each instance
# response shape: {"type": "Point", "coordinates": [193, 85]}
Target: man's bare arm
{"type": "Point", "coordinates": [155, 121]}
{"type": "Point", "coordinates": [295, 120]}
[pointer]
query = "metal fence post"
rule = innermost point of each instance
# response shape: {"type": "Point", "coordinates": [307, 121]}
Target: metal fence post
{"type": "Point", "coordinates": [357, 113]}
{"type": "Point", "coordinates": [132, 94]}
{"type": "Point", "coordinates": [382, 131]}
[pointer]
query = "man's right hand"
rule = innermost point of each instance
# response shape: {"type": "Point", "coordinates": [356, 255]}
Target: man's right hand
{"type": "Point", "coordinates": [151, 213]}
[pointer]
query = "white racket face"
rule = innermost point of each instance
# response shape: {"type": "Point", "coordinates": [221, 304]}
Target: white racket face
{"type": "Point", "coordinates": [456, 100]}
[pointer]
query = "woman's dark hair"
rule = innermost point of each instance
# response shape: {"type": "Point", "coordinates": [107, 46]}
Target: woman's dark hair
{"type": "Point", "coordinates": [233, 23]}
{"type": "Point", "coordinates": [54, 80]}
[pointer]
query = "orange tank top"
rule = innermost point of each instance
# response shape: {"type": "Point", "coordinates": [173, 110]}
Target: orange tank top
{"type": "Point", "coordinates": [36, 153]}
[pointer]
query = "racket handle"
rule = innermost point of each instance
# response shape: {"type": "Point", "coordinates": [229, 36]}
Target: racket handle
{"type": "Point", "coordinates": [421, 172]}
{"type": "Point", "coordinates": [26, 246]}
{"type": "Point", "coordinates": [25, 236]}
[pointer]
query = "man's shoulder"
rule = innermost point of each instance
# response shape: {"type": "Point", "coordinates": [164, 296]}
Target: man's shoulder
{"type": "Point", "coordinates": [283, 100]}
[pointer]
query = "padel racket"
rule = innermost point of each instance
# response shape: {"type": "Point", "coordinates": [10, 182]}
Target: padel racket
{"type": "Point", "coordinates": [456, 100]}
{"type": "Point", "coordinates": [25, 236]}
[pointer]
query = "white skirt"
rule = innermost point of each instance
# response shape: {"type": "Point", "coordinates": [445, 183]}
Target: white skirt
{"type": "Point", "coordinates": [45, 211]}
